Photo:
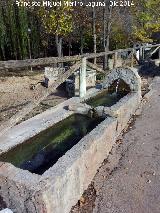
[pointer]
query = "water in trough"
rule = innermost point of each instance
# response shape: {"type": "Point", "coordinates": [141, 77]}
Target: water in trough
{"type": "Point", "coordinates": [110, 96]}
{"type": "Point", "coordinates": [41, 152]}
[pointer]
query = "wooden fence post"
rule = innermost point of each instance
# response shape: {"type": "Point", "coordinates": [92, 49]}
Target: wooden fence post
{"type": "Point", "coordinates": [141, 53]}
{"type": "Point", "coordinates": [115, 59]}
{"type": "Point", "coordinates": [82, 78]}
{"type": "Point", "coordinates": [132, 58]}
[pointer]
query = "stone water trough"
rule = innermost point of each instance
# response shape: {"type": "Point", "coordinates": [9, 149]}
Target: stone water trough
{"type": "Point", "coordinates": [39, 173]}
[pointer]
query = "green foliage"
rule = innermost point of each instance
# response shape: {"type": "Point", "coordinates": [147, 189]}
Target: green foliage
{"type": "Point", "coordinates": [14, 36]}
{"type": "Point", "coordinates": [74, 25]}
{"type": "Point", "coordinates": [13, 31]}
{"type": "Point", "coordinates": [57, 20]}
{"type": "Point", "coordinates": [119, 38]}
{"type": "Point", "coordinates": [146, 20]}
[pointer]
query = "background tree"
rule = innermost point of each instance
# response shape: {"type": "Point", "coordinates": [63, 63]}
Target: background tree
{"type": "Point", "coordinates": [39, 31]}
{"type": "Point", "coordinates": [107, 24]}
{"type": "Point", "coordinates": [57, 21]}
{"type": "Point", "coordinates": [146, 19]}
{"type": "Point", "coordinates": [14, 35]}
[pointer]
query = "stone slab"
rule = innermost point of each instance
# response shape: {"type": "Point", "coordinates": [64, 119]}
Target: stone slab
{"type": "Point", "coordinates": [6, 211]}
{"type": "Point", "coordinates": [60, 187]}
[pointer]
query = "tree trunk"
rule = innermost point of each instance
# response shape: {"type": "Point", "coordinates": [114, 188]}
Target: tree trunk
{"type": "Point", "coordinates": [81, 38]}
{"type": "Point", "coordinates": [59, 48]}
{"type": "Point", "coordinates": [41, 94]}
{"type": "Point", "coordinates": [69, 48]}
{"type": "Point", "coordinates": [94, 32]}
{"type": "Point", "coordinates": [59, 45]}
{"type": "Point", "coordinates": [107, 22]}
{"type": "Point", "coordinates": [104, 37]}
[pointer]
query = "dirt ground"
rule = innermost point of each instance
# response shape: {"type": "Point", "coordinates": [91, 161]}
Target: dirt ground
{"type": "Point", "coordinates": [15, 93]}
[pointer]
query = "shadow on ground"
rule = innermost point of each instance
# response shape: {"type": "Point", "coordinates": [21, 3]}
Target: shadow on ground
{"type": "Point", "coordinates": [149, 69]}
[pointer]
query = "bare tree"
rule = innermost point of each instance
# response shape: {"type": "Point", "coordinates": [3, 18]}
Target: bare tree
{"type": "Point", "coordinates": [107, 23]}
{"type": "Point", "coordinates": [94, 32]}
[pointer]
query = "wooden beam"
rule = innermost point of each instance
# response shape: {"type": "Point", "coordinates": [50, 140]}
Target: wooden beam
{"type": "Point", "coordinates": [132, 58]}
{"type": "Point", "coordinates": [115, 59]}
{"type": "Point", "coordinates": [95, 67]}
{"type": "Point", "coordinates": [15, 64]}
{"type": "Point", "coordinates": [41, 94]}
{"type": "Point", "coordinates": [138, 61]}
{"type": "Point", "coordinates": [82, 78]}
{"type": "Point", "coordinates": [154, 51]}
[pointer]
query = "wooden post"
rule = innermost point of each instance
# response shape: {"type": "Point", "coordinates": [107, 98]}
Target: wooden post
{"type": "Point", "coordinates": [132, 58]}
{"type": "Point", "coordinates": [137, 54]}
{"type": "Point", "coordinates": [94, 32]}
{"type": "Point", "coordinates": [115, 60]}
{"type": "Point", "coordinates": [159, 53]}
{"type": "Point", "coordinates": [141, 53]}
{"type": "Point", "coordinates": [82, 83]}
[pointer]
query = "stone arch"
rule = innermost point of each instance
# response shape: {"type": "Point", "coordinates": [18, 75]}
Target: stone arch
{"type": "Point", "coordinates": [128, 75]}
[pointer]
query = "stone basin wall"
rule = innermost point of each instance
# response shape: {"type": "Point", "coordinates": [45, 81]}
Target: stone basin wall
{"type": "Point", "coordinates": [128, 75]}
{"type": "Point", "coordinates": [60, 187]}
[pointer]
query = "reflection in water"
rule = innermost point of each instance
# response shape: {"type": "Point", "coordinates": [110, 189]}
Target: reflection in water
{"type": "Point", "coordinates": [118, 81]}
{"type": "Point", "coordinates": [42, 151]}
{"type": "Point", "coordinates": [111, 96]}
{"type": "Point", "coordinates": [106, 99]}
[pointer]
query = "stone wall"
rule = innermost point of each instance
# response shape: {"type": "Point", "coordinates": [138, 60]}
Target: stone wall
{"type": "Point", "coordinates": [51, 74]}
{"type": "Point", "coordinates": [73, 173]}
{"type": "Point", "coordinates": [66, 181]}
{"type": "Point", "coordinates": [157, 62]}
{"type": "Point", "coordinates": [119, 63]}
{"type": "Point", "coordinates": [60, 187]}
{"type": "Point", "coordinates": [128, 75]}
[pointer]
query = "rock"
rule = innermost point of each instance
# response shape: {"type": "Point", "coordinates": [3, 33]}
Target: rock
{"type": "Point", "coordinates": [138, 111]}
{"type": "Point", "coordinates": [108, 111]}
{"type": "Point", "coordinates": [80, 108]}
{"type": "Point", "coordinates": [148, 95]}
{"type": "Point", "coordinates": [72, 107]}
{"type": "Point", "coordinates": [99, 111]}
{"type": "Point", "coordinates": [6, 211]}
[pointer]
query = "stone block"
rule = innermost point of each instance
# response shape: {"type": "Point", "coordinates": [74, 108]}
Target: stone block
{"type": "Point", "coordinates": [62, 185]}
{"type": "Point", "coordinates": [6, 211]}
{"type": "Point", "coordinates": [99, 111]}
{"type": "Point", "coordinates": [128, 75]}
{"type": "Point", "coordinates": [51, 75]}
{"type": "Point", "coordinates": [80, 108]}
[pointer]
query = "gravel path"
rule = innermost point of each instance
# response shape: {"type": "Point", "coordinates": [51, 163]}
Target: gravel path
{"type": "Point", "coordinates": [129, 180]}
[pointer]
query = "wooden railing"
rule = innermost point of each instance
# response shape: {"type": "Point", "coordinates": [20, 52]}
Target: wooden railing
{"type": "Point", "coordinates": [16, 64]}
{"type": "Point", "coordinates": [79, 61]}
